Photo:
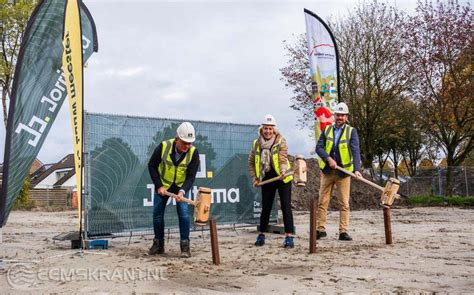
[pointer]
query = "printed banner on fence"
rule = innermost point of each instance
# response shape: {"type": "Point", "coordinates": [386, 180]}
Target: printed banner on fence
{"type": "Point", "coordinates": [120, 189]}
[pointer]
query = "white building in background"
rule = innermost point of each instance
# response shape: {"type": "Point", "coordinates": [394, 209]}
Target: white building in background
{"type": "Point", "coordinates": [59, 175]}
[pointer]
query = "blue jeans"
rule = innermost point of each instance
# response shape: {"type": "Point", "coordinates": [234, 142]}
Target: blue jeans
{"type": "Point", "coordinates": [159, 206]}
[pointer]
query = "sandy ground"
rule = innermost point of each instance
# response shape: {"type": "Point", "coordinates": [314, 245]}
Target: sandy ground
{"type": "Point", "coordinates": [433, 251]}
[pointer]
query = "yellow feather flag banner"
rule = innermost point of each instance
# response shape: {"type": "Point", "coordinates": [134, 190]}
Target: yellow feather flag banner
{"type": "Point", "coordinates": [73, 73]}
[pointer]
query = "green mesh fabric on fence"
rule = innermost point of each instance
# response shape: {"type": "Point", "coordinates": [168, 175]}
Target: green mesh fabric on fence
{"type": "Point", "coordinates": [120, 191]}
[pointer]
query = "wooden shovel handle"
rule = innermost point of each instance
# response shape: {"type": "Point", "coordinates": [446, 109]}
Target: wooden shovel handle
{"type": "Point", "coordinates": [274, 179]}
{"type": "Point", "coordinates": [361, 179]}
{"type": "Point", "coordinates": [190, 202]}
{"type": "Point", "coordinates": [364, 180]}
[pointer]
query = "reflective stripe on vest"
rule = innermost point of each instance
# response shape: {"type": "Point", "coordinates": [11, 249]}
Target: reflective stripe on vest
{"type": "Point", "coordinates": [169, 173]}
{"type": "Point", "coordinates": [275, 160]}
{"type": "Point", "coordinates": [343, 146]}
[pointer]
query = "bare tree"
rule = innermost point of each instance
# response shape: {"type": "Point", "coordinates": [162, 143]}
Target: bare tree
{"type": "Point", "coordinates": [439, 46]}
{"type": "Point", "coordinates": [296, 76]}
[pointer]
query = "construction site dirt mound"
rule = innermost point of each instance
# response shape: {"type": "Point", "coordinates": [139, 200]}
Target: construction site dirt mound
{"type": "Point", "coordinates": [363, 196]}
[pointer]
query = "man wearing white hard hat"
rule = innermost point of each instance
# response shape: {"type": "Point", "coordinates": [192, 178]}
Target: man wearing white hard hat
{"type": "Point", "coordinates": [338, 145]}
{"type": "Point", "coordinates": [268, 158]}
{"type": "Point", "coordinates": [173, 167]}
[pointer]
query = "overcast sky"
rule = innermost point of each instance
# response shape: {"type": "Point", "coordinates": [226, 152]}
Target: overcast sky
{"type": "Point", "coordinates": [195, 60]}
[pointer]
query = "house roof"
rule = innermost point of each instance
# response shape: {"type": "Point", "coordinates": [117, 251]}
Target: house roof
{"type": "Point", "coordinates": [37, 164]}
{"type": "Point", "coordinates": [47, 169]}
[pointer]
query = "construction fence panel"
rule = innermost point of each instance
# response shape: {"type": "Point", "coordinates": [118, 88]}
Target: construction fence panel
{"type": "Point", "coordinates": [433, 181]}
{"type": "Point", "coordinates": [119, 190]}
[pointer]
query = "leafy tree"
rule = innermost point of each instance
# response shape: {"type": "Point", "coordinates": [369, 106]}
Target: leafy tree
{"type": "Point", "coordinates": [381, 154]}
{"type": "Point", "coordinates": [404, 143]}
{"type": "Point", "coordinates": [412, 137]}
{"type": "Point", "coordinates": [403, 167]}
{"type": "Point", "coordinates": [469, 161]}
{"type": "Point", "coordinates": [23, 202]}
{"type": "Point", "coordinates": [14, 16]}
{"type": "Point", "coordinates": [382, 158]}
{"type": "Point", "coordinates": [426, 164]}
{"type": "Point", "coordinates": [374, 77]}
{"type": "Point", "coordinates": [395, 140]}
{"type": "Point", "coordinates": [439, 48]}
{"type": "Point", "coordinates": [443, 163]}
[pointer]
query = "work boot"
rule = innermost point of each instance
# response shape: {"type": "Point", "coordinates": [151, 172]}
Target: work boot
{"type": "Point", "coordinates": [320, 234]}
{"type": "Point", "coordinates": [158, 247]}
{"type": "Point", "coordinates": [260, 240]}
{"type": "Point", "coordinates": [288, 243]}
{"type": "Point", "coordinates": [344, 237]}
{"type": "Point", "coordinates": [185, 251]}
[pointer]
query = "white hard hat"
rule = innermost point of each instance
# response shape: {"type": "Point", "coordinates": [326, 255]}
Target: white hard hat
{"type": "Point", "coordinates": [341, 108]}
{"type": "Point", "coordinates": [186, 132]}
{"type": "Point", "coordinates": [269, 120]}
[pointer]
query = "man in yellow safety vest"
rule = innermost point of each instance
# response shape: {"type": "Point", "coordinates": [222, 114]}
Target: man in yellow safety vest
{"type": "Point", "coordinates": [338, 144]}
{"type": "Point", "coordinates": [173, 167]}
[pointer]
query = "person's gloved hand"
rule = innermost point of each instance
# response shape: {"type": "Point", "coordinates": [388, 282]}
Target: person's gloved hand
{"type": "Point", "coordinates": [357, 173]}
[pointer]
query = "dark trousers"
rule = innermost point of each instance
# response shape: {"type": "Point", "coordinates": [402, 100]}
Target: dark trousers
{"type": "Point", "coordinates": [268, 196]}
{"type": "Point", "coordinates": [159, 206]}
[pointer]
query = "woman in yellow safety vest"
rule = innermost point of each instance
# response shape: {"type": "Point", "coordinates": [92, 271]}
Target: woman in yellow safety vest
{"type": "Point", "coordinates": [268, 158]}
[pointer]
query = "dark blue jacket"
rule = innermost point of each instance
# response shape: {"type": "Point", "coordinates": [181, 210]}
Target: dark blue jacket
{"type": "Point", "coordinates": [353, 145]}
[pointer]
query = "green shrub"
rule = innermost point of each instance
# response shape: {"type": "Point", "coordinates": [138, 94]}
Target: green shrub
{"type": "Point", "coordinates": [461, 201]}
{"type": "Point", "coordinates": [441, 200]}
{"type": "Point", "coordinates": [23, 201]}
{"type": "Point", "coordinates": [426, 200]}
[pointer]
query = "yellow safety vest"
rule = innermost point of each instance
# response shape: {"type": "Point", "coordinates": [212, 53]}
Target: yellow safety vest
{"type": "Point", "coordinates": [344, 148]}
{"type": "Point", "coordinates": [275, 157]}
{"type": "Point", "coordinates": [169, 173]}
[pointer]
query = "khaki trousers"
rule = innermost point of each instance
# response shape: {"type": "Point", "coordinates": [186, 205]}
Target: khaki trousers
{"type": "Point", "coordinates": [343, 189]}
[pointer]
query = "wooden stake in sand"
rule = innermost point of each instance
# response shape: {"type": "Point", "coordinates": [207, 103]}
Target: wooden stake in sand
{"type": "Point", "coordinates": [216, 259]}
{"type": "Point", "coordinates": [387, 224]}
{"type": "Point", "coordinates": [312, 226]}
